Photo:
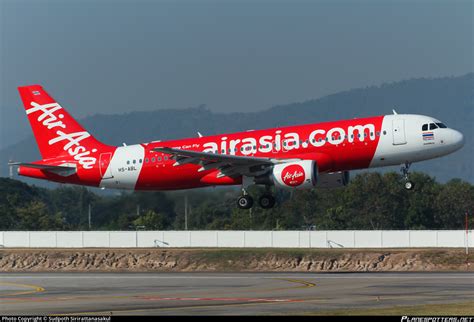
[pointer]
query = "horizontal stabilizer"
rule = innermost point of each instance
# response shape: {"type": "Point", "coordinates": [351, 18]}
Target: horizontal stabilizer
{"type": "Point", "coordinates": [64, 170]}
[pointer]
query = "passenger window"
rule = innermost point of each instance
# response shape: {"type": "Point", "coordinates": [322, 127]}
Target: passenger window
{"type": "Point", "coordinates": [140, 161]}
{"type": "Point", "coordinates": [146, 160]}
{"type": "Point", "coordinates": [153, 159]}
{"type": "Point", "coordinates": [128, 162]}
{"type": "Point", "coordinates": [433, 126]}
{"type": "Point", "coordinates": [166, 158]}
{"type": "Point", "coordinates": [159, 159]}
{"type": "Point", "coordinates": [424, 127]}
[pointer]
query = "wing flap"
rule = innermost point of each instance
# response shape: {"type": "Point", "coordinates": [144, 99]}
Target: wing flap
{"type": "Point", "coordinates": [213, 157]}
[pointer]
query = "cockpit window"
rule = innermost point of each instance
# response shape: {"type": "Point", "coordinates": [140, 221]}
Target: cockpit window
{"type": "Point", "coordinates": [441, 125]}
{"type": "Point", "coordinates": [433, 126]}
{"type": "Point", "coordinates": [424, 127]}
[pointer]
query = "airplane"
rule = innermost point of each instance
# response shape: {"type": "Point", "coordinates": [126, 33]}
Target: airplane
{"type": "Point", "coordinates": [294, 157]}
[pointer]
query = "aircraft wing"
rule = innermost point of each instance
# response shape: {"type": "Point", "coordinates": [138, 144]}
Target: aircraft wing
{"type": "Point", "coordinates": [62, 170]}
{"type": "Point", "coordinates": [229, 165]}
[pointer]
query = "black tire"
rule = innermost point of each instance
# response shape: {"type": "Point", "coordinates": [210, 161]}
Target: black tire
{"type": "Point", "coordinates": [266, 201]}
{"type": "Point", "coordinates": [409, 185]}
{"type": "Point", "coordinates": [245, 202]}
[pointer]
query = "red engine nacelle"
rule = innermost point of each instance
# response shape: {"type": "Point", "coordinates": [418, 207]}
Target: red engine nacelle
{"type": "Point", "coordinates": [295, 175]}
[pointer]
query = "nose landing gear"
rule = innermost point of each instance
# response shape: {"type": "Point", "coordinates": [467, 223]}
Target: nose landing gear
{"type": "Point", "coordinates": [409, 185]}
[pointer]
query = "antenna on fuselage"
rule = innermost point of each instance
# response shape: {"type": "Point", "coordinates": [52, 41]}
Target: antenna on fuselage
{"type": "Point", "coordinates": [199, 134]}
{"type": "Point", "coordinates": [394, 112]}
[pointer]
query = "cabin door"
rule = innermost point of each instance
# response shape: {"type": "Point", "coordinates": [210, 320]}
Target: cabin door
{"type": "Point", "coordinates": [398, 132]}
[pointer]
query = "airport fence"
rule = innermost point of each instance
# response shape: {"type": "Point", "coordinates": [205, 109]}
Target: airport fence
{"type": "Point", "coordinates": [238, 239]}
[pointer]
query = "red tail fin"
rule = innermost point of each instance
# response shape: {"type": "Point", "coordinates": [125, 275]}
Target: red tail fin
{"type": "Point", "coordinates": [56, 132]}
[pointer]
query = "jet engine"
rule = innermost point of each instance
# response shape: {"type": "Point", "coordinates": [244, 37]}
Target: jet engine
{"type": "Point", "coordinates": [295, 175]}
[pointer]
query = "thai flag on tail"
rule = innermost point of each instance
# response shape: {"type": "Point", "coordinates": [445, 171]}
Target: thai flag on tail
{"type": "Point", "coordinates": [428, 136]}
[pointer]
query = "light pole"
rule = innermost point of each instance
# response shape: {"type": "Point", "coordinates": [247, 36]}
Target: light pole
{"type": "Point", "coordinates": [90, 217]}
{"type": "Point", "coordinates": [467, 232]}
{"type": "Point", "coordinates": [185, 211]}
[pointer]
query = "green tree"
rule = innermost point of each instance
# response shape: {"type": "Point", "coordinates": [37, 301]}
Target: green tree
{"type": "Point", "coordinates": [151, 221]}
{"type": "Point", "coordinates": [36, 216]}
{"type": "Point", "coordinates": [454, 199]}
{"type": "Point", "coordinates": [420, 212]}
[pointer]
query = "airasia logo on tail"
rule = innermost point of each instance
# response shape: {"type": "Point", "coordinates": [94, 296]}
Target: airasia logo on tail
{"type": "Point", "coordinates": [293, 175]}
{"type": "Point", "coordinates": [71, 141]}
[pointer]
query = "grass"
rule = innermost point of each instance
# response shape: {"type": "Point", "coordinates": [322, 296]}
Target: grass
{"type": "Point", "coordinates": [462, 309]}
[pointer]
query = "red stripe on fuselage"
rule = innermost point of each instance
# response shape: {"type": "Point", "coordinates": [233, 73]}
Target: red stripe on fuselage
{"type": "Point", "coordinates": [162, 175]}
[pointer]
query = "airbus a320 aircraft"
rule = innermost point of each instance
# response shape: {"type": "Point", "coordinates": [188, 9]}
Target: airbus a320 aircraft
{"type": "Point", "coordinates": [295, 157]}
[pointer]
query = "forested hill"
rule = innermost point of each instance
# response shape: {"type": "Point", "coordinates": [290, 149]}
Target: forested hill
{"type": "Point", "coordinates": [371, 201]}
{"type": "Point", "coordinates": [450, 99]}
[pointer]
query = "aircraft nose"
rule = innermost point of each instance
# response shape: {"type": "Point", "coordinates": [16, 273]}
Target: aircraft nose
{"type": "Point", "coordinates": [457, 139]}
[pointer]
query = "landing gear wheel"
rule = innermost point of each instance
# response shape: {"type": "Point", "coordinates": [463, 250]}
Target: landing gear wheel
{"type": "Point", "coordinates": [245, 202]}
{"type": "Point", "coordinates": [409, 185]}
{"type": "Point", "coordinates": [266, 201]}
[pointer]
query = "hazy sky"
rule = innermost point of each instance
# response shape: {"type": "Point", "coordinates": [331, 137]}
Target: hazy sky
{"type": "Point", "coordinates": [117, 56]}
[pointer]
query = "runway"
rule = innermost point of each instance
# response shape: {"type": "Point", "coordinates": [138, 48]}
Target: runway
{"type": "Point", "coordinates": [224, 293]}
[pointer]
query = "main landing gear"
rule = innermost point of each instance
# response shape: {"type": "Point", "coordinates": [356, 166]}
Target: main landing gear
{"type": "Point", "coordinates": [266, 201]}
{"type": "Point", "coordinates": [245, 201]}
{"type": "Point", "coordinates": [409, 185]}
